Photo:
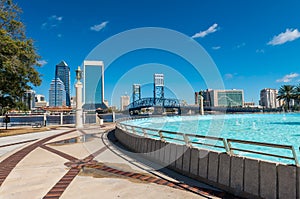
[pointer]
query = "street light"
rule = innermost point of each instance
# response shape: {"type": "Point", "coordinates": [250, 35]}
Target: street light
{"type": "Point", "coordinates": [78, 73]}
{"type": "Point", "coordinates": [78, 86]}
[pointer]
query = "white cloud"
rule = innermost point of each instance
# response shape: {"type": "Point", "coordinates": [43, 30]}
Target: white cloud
{"type": "Point", "coordinates": [288, 35]}
{"type": "Point", "coordinates": [260, 51]}
{"type": "Point", "coordinates": [288, 78]}
{"type": "Point", "coordinates": [241, 45]}
{"type": "Point", "coordinates": [228, 76]}
{"type": "Point", "coordinates": [210, 30]}
{"type": "Point", "coordinates": [42, 62]}
{"type": "Point", "coordinates": [99, 27]}
{"type": "Point", "coordinates": [55, 18]}
{"type": "Point", "coordinates": [216, 47]}
{"type": "Point", "coordinates": [52, 22]}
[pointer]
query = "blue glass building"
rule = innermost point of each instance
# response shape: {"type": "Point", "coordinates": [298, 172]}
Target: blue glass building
{"type": "Point", "coordinates": [93, 85]}
{"type": "Point", "coordinates": [62, 71]}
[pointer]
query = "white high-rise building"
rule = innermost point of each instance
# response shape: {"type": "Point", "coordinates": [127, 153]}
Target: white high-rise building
{"type": "Point", "coordinates": [57, 93]}
{"type": "Point", "coordinates": [125, 100]}
{"type": "Point", "coordinates": [268, 98]}
{"type": "Point", "coordinates": [40, 101]}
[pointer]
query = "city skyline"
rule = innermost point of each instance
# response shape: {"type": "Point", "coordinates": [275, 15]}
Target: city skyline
{"type": "Point", "coordinates": [250, 50]}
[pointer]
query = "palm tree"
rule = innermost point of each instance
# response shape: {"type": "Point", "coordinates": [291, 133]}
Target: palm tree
{"type": "Point", "coordinates": [297, 93]}
{"type": "Point", "coordinates": [286, 92]}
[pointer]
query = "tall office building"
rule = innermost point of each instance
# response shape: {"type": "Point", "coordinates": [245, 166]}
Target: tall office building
{"type": "Point", "coordinates": [125, 100]}
{"type": "Point", "coordinates": [29, 99]}
{"type": "Point", "coordinates": [62, 71]}
{"type": "Point", "coordinates": [268, 98]}
{"type": "Point", "coordinates": [93, 85]}
{"type": "Point", "coordinates": [57, 93]}
{"type": "Point", "coordinates": [223, 98]}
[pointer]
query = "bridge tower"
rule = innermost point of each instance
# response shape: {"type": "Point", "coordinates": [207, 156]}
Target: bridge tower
{"type": "Point", "coordinates": [158, 91]}
{"type": "Point", "coordinates": [136, 92]}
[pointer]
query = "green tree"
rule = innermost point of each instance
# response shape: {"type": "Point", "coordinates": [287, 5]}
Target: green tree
{"type": "Point", "coordinates": [286, 92]}
{"type": "Point", "coordinates": [297, 93]}
{"type": "Point", "coordinates": [18, 57]}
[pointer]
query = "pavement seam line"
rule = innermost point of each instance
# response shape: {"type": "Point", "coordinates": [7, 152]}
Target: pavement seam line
{"type": "Point", "coordinates": [9, 163]}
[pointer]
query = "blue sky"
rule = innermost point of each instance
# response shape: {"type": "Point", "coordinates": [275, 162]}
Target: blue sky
{"type": "Point", "coordinates": [254, 43]}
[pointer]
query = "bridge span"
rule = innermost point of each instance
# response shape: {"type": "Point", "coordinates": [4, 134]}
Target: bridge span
{"type": "Point", "coordinates": [159, 106]}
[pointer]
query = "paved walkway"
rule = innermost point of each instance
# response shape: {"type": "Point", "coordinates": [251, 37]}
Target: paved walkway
{"type": "Point", "coordinates": [88, 163]}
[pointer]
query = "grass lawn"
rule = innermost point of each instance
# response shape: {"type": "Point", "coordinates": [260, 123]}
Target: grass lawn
{"type": "Point", "coordinates": [22, 130]}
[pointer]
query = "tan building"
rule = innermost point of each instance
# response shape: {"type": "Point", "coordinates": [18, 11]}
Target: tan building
{"type": "Point", "coordinates": [268, 98]}
{"type": "Point", "coordinates": [125, 101]}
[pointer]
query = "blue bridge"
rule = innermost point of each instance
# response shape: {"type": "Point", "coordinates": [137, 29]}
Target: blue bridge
{"type": "Point", "coordinates": [164, 104]}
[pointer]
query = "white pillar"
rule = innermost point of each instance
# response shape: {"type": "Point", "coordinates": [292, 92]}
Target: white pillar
{"type": "Point", "coordinates": [201, 106]}
{"type": "Point", "coordinates": [45, 119]}
{"type": "Point", "coordinates": [78, 120]}
{"type": "Point", "coordinates": [61, 119]}
{"type": "Point", "coordinates": [113, 116]}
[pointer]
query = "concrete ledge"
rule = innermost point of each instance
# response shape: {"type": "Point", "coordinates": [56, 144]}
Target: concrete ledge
{"type": "Point", "coordinates": [268, 180]}
{"type": "Point", "coordinates": [213, 166]}
{"type": "Point", "coordinates": [186, 160]}
{"type": "Point", "coordinates": [152, 149]}
{"type": "Point", "coordinates": [194, 161]}
{"type": "Point", "coordinates": [173, 156]}
{"type": "Point", "coordinates": [251, 176]}
{"type": "Point", "coordinates": [179, 154]}
{"type": "Point", "coordinates": [237, 174]}
{"type": "Point", "coordinates": [162, 152]}
{"type": "Point", "coordinates": [241, 176]}
{"type": "Point", "coordinates": [203, 163]}
{"type": "Point", "coordinates": [224, 169]}
{"type": "Point", "coordinates": [286, 181]}
{"type": "Point", "coordinates": [167, 154]}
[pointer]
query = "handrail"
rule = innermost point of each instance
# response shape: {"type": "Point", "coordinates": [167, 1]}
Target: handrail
{"type": "Point", "coordinates": [186, 138]}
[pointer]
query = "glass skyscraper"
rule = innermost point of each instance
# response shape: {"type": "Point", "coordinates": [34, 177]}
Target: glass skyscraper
{"type": "Point", "coordinates": [62, 71]}
{"type": "Point", "coordinates": [57, 93]}
{"type": "Point", "coordinates": [93, 85]}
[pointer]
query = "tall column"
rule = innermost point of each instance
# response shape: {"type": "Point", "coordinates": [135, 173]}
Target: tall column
{"type": "Point", "coordinates": [201, 108]}
{"type": "Point", "coordinates": [78, 86]}
{"type": "Point", "coordinates": [61, 118]}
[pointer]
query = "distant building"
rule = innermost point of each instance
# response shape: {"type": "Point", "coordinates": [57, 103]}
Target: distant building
{"type": "Point", "coordinates": [125, 100]}
{"type": "Point", "coordinates": [93, 85]}
{"type": "Point", "coordinates": [29, 99]}
{"type": "Point", "coordinates": [106, 103]}
{"type": "Point", "coordinates": [40, 101]}
{"type": "Point", "coordinates": [62, 71]}
{"type": "Point", "coordinates": [249, 104]}
{"type": "Point", "coordinates": [197, 98]}
{"type": "Point", "coordinates": [268, 98]}
{"type": "Point", "coordinates": [57, 93]}
{"type": "Point", "coordinates": [223, 98]}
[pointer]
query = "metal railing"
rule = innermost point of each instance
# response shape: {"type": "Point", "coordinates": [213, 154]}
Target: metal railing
{"type": "Point", "coordinates": [230, 146]}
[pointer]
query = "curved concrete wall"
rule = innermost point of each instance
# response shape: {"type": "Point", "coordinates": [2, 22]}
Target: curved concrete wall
{"type": "Point", "coordinates": [241, 176]}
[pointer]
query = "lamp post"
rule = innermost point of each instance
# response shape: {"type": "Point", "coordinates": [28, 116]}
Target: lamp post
{"type": "Point", "coordinates": [78, 86]}
{"type": "Point", "coordinates": [201, 109]}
